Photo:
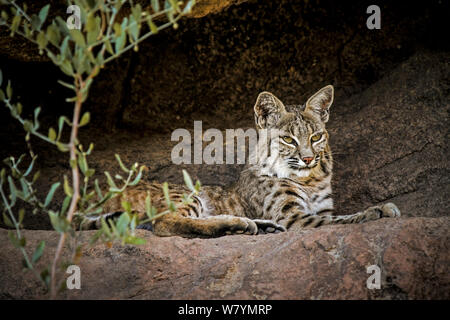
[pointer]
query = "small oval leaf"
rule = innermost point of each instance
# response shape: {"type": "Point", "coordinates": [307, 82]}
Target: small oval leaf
{"type": "Point", "coordinates": [85, 119]}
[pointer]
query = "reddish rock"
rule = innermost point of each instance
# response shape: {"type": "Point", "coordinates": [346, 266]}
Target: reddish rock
{"type": "Point", "coordinates": [327, 263]}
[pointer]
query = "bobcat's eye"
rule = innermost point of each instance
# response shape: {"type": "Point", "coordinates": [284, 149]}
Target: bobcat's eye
{"type": "Point", "coordinates": [316, 137]}
{"type": "Point", "coordinates": [288, 139]}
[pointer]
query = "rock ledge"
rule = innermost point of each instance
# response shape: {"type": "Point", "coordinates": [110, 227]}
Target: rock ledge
{"type": "Point", "coordinates": [327, 263]}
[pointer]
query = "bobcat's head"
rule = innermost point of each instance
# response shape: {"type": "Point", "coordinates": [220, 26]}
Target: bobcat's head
{"type": "Point", "coordinates": [301, 140]}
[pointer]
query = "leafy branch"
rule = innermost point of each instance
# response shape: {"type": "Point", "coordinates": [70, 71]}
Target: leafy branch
{"type": "Point", "coordinates": [80, 54]}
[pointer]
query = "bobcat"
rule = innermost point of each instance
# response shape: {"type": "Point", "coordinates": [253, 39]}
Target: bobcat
{"type": "Point", "coordinates": [287, 188]}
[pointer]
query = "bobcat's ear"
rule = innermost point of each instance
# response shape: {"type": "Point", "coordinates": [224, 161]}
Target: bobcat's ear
{"type": "Point", "coordinates": [320, 102]}
{"type": "Point", "coordinates": [268, 110]}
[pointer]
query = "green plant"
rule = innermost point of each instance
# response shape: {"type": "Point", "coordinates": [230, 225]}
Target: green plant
{"type": "Point", "coordinates": [80, 54]}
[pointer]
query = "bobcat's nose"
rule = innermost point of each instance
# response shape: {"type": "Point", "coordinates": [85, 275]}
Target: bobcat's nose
{"type": "Point", "coordinates": [307, 160]}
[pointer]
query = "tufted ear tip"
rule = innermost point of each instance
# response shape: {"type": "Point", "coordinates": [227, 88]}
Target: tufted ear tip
{"type": "Point", "coordinates": [327, 93]}
{"type": "Point", "coordinates": [264, 98]}
{"type": "Point", "coordinates": [265, 93]}
{"type": "Point", "coordinates": [321, 101]}
{"type": "Point", "coordinates": [264, 101]}
{"type": "Point", "coordinates": [267, 109]}
{"type": "Point", "coordinates": [329, 89]}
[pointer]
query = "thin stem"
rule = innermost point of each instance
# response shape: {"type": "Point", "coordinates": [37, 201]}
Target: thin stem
{"type": "Point", "coordinates": [22, 121]}
{"type": "Point", "coordinates": [132, 45]}
{"type": "Point", "coordinates": [19, 235]}
{"type": "Point", "coordinates": [20, 11]}
{"type": "Point", "coordinates": [108, 36]}
{"type": "Point", "coordinates": [108, 31]}
{"type": "Point", "coordinates": [109, 195]}
{"type": "Point", "coordinates": [167, 211]}
{"type": "Point", "coordinates": [75, 179]}
{"type": "Point", "coordinates": [20, 33]}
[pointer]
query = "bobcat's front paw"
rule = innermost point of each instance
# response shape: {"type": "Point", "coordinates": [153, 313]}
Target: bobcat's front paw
{"type": "Point", "coordinates": [390, 210]}
{"type": "Point", "coordinates": [268, 226]}
{"type": "Point", "coordinates": [239, 225]}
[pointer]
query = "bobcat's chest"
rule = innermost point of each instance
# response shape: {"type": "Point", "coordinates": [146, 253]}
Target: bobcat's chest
{"type": "Point", "coordinates": [321, 201]}
{"type": "Point", "coordinates": [315, 198]}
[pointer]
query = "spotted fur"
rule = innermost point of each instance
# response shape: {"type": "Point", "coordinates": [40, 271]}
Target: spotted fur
{"type": "Point", "coordinates": [288, 186]}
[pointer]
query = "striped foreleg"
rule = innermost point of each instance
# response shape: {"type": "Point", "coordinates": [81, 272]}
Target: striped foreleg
{"type": "Point", "coordinates": [296, 219]}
